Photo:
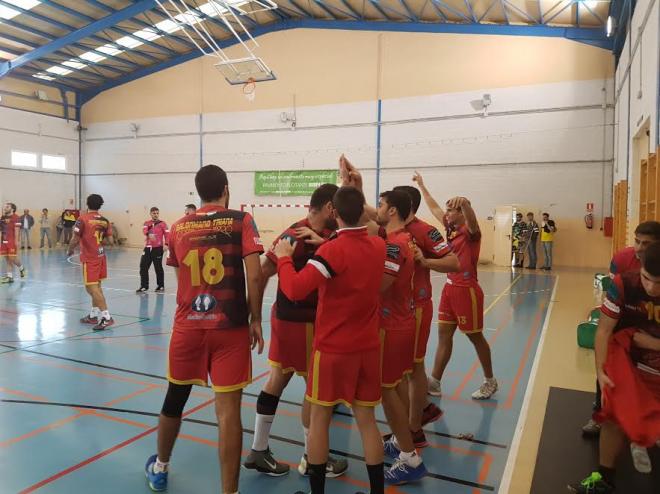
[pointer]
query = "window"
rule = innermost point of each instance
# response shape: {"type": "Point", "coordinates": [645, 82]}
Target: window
{"type": "Point", "coordinates": [49, 162]}
{"type": "Point", "coordinates": [19, 158]}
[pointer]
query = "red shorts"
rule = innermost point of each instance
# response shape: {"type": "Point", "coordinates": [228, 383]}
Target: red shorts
{"type": "Point", "coordinates": [224, 355]}
{"type": "Point", "coordinates": [423, 319]}
{"type": "Point", "coordinates": [290, 345]}
{"type": "Point", "coordinates": [463, 306]}
{"type": "Point", "coordinates": [398, 356]}
{"type": "Point", "coordinates": [7, 249]}
{"type": "Point", "coordinates": [348, 378]}
{"type": "Point", "coordinates": [95, 271]}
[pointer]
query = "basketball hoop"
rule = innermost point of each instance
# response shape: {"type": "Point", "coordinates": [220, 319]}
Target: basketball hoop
{"type": "Point", "coordinates": [249, 89]}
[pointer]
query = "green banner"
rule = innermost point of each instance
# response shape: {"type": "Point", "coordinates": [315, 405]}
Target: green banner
{"type": "Point", "coordinates": [292, 182]}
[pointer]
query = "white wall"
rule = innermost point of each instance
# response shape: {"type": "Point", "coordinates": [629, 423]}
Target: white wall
{"type": "Point", "coordinates": [638, 72]}
{"type": "Point", "coordinates": [36, 189]}
{"type": "Point", "coordinates": [549, 145]}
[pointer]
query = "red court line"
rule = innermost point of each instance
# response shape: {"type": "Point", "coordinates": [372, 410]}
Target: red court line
{"type": "Point", "coordinates": [468, 377]}
{"type": "Point", "coordinates": [116, 447]}
{"type": "Point", "coordinates": [104, 453]}
{"type": "Point", "coordinates": [525, 357]}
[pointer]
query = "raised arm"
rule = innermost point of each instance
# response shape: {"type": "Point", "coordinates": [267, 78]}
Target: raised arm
{"type": "Point", "coordinates": [468, 213]}
{"type": "Point", "coordinates": [432, 204]}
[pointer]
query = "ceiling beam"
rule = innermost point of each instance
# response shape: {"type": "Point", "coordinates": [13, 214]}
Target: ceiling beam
{"type": "Point", "coordinates": [79, 34]}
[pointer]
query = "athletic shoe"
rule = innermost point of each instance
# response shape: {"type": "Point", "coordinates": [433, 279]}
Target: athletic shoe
{"type": "Point", "coordinates": [591, 429]}
{"type": "Point", "coordinates": [390, 448]}
{"type": "Point", "coordinates": [434, 387]}
{"type": "Point", "coordinates": [7, 279]}
{"type": "Point", "coordinates": [419, 438]}
{"type": "Point", "coordinates": [402, 473]}
{"type": "Point", "coordinates": [431, 413]}
{"type": "Point", "coordinates": [142, 290]}
{"type": "Point", "coordinates": [594, 484]}
{"type": "Point", "coordinates": [23, 271]}
{"type": "Point", "coordinates": [157, 481]}
{"type": "Point", "coordinates": [334, 468]}
{"type": "Point", "coordinates": [103, 323]}
{"type": "Point", "coordinates": [487, 389]}
{"type": "Point", "coordinates": [263, 461]}
{"type": "Point", "coordinates": [90, 320]}
{"type": "Point", "coordinates": [640, 458]}
{"type": "Point", "coordinates": [159, 289]}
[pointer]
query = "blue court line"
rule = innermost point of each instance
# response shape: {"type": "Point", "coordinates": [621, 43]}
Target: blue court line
{"type": "Point", "coordinates": [247, 431]}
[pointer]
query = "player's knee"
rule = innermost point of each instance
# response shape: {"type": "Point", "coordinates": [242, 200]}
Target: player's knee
{"type": "Point", "coordinates": [267, 403]}
{"type": "Point", "coordinates": [175, 400]}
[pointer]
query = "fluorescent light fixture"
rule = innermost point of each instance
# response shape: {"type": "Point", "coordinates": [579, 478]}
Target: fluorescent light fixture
{"type": "Point", "coordinates": [73, 64]}
{"type": "Point", "coordinates": [610, 26]}
{"type": "Point", "coordinates": [9, 13]}
{"type": "Point", "coordinates": [56, 69]}
{"type": "Point", "coordinates": [91, 56]}
{"type": "Point", "coordinates": [128, 42]}
{"type": "Point", "coordinates": [43, 76]}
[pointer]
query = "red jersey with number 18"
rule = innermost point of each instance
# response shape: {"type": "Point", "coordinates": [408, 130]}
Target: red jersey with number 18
{"type": "Point", "coordinates": [208, 247]}
{"type": "Point", "coordinates": [92, 228]}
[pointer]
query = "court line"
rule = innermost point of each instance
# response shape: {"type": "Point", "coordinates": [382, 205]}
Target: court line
{"type": "Point", "coordinates": [507, 475]}
{"type": "Point", "coordinates": [513, 390]}
{"type": "Point", "coordinates": [245, 430]}
{"type": "Point", "coordinates": [215, 444]}
{"type": "Point", "coordinates": [163, 378]}
{"type": "Point", "coordinates": [468, 377]}
{"type": "Point", "coordinates": [104, 453]}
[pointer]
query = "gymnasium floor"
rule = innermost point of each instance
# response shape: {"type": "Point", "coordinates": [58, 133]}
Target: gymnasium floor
{"type": "Point", "coordinates": [79, 408]}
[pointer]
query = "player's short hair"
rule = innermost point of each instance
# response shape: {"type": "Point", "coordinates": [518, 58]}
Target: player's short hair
{"type": "Point", "coordinates": [530, 214]}
{"type": "Point", "coordinates": [154, 209]}
{"type": "Point", "coordinates": [651, 259]}
{"type": "Point", "coordinates": [210, 182]}
{"type": "Point", "coordinates": [414, 193]}
{"type": "Point", "coordinates": [349, 204]}
{"type": "Point", "coordinates": [650, 228]}
{"type": "Point", "coordinates": [398, 200]}
{"type": "Point", "coordinates": [12, 206]}
{"type": "Point", "coordinates": [44, 210]}
{"type": "Point", "coordinates": [94, 202]}
{"type": "Point", "coordinates": [322, 196]}
{"type": "Point", "coordinates": [191, 206]}
{"type": "Point", "coordinates": [546, 214]}
{"type": "Point", "coordinates": [518, 214]}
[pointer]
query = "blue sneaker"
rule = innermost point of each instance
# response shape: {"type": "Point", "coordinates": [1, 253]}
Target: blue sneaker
{"type": "Point", "coordinates": [157, 481]}
{"type": "Point", "coordinates": [401, 473]}
{"type": "Point", "coordinates": [390, 448]}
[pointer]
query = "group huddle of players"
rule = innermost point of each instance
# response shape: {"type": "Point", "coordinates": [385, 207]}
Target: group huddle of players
{"type": "Point", "coordinates": [352, 316]}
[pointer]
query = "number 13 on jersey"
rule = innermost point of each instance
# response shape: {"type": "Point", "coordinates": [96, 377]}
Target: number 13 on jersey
{"type": "Point", "coordinates": [211, 271]}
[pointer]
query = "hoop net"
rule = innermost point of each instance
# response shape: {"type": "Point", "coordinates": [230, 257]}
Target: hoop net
{"type": "Point", "coordinates": [249, 89]}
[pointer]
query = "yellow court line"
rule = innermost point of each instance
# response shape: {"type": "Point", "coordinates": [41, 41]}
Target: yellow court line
{"type": "Point", "coordinates": [492, 304]}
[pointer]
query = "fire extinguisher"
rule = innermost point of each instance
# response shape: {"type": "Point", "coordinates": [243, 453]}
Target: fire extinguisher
{"type": "Point", "coordinates": [589, 217]}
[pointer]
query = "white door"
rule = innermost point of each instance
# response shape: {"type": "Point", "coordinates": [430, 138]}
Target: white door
{"type": "Point", "coordinates": [502, 225]}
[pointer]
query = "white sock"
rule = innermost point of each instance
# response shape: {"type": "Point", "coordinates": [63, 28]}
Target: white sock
{"type": "Point", "coordinates": [490, 380]}
{"type": "Point", "coordinates": [10, 275]}
{"type": "Point", "coordinates": [94, 312]}
{"type": "Point", "coordinates": [21, 268]}
{"type": "Point", "coordinates": [262, 432]}
{"type": "Point", "coordinates": [161, 466]}
{"type": "Point", "coordinates": [433, 380]}
{"type": "Point", "coordinates": [411, 459]}
{"type": "Point", "coordinates": [306, 434]}
{"type": "Point", "coordinates": [105, 315]}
